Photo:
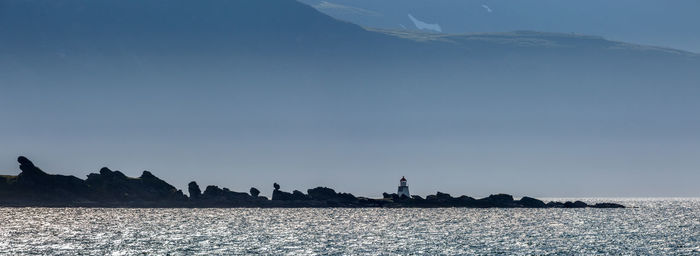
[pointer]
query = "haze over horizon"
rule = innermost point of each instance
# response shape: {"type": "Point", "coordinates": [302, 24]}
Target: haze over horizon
{"type": "Point", "coordinates": [245, 93]}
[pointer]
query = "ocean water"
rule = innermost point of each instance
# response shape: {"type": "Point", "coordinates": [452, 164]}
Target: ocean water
{"type": "Point", "coordinates": [652, 227]}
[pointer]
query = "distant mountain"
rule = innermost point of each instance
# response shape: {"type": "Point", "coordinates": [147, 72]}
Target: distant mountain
{"type": "Point", "coordinates": [259, 28]}
{"type": "Point", "coordinates": [654, 22]}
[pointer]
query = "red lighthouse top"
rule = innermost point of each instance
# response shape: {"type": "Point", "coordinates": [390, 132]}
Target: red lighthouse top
{"type": "Point", "coordinates": [403, 178]}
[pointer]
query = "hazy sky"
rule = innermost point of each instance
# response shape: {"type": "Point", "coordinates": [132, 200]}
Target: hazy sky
{"type": "Point", "coordinates": [357, 138]}
{"type": "Point", "coordinates": [115, 90]}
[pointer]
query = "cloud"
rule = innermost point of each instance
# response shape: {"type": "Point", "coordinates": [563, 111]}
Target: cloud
{"type": "Point", "coordinates": [424, 26]}
{"type": "Point", "coordinates": [488, 9]}
{"type": "Point", "coordinates": [323, 5]}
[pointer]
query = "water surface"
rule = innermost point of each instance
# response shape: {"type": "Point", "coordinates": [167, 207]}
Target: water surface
{"type": "Point", "coordinates": [654, 227]}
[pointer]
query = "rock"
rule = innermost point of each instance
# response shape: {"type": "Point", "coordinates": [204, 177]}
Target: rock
{"type": "Point", "coordinates": [107, 188]}
{"type": "Point", "coordinates": [531, 202]}
{"type": "Point", "coordinates": [555, 205]}
{"type": "Point", "coordinates": [114, 187]}
{"type": "Point", "coordinates": [212, 192]}
{"type": "Point", "coordinates": [280, 195]}
{"type": "Point", "coordinates": [501, 198]}
{"type": "Point", "coordinates": [28, 168]}
{"type": "Point", "coordinates": [441, 195]}
{"type": "Point", "coordinates": [321, 193]}
{"type": "Point", "coordinates": [22, 160]}
{"type": "Point", "coordinates": [577, 204]}
{"type": "Point", "coordinates": [466, 198]}
{"type": "Point", "coordinates": [497, 200]}
{"type": "Point", "coordinates": [607, 205]}
{"type": "Point", "coordinates": [34, 184]}
{"type": "Point", "coordinates": [216, 194]}
{"type": "Point", "coordinates": [347, 197]}
{"type": "Point", "coordinates": [195, 192]}
{"type": "Point", "coordinates": [298, 195]}
{"type": "Point", "coordinates": [393, 196]}
{"type": "Point", "coordinates": [254, 192]}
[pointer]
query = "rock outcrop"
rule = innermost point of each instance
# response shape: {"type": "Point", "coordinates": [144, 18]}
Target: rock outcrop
{"type": "Point", "coordinates": [195, 192]}
{"type": "Point", "coordinates": [115, 187]}
{"type": "Point", "coordinates": [254, 192]}
{"type": "Point", "coordinates": [107, 188]}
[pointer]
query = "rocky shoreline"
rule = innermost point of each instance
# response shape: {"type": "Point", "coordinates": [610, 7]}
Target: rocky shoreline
{"type": "Point", "coordinates": [35, 188]}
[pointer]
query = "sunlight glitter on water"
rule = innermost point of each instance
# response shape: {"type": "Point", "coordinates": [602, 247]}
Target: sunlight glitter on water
{"type": "Point", "coordinates": [655, 227]}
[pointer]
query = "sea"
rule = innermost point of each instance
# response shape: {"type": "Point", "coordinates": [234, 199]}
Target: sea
{"type": "Point", "coordinates": [649, 226]}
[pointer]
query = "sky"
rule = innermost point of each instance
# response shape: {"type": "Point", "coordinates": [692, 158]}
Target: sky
{"type": "Point", "coordinates": [188, 105]}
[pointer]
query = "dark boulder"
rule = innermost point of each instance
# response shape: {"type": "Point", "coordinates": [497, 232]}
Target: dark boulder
{"type": "Point", "coordinates": [501, 198]}
{"type": "Point", "coordinates": [24, 161]}
{"type": "Point", "coordinates": [195, 192]}
{"type": "Point", "coordinates": [439, 196]}
{"type": "Point", "coordinates": [236, 196]}
{"type": "Point", "coordinates": [347, 197]}
{"type": "Point", "coordinates": [280, 195]}
{"type": "Point", "coordinates": [531, 202]}
{"type": "Point", "coordinates": [607, 205]}
{"type": "Point", "coordinates": [555, 205]}
{"type": "Point", "coordinates": [464, 201]}
{"type": "Point", "coordinates": [577, 204]}
{"type": "Point", "coordinates": [322, 193]}
{"type": "Point", "coordinates": [466, 198]}
{"type": "Point", "coordinates": [497, 200]}
{"type": "Point", "coordinates": [254, 192]}
{"type": "Point", "coordinates": [298, 195]}
{"type": "Point", "coordinates": [214, 193]}
{"type": "Point", "coordinates": [394, 197]}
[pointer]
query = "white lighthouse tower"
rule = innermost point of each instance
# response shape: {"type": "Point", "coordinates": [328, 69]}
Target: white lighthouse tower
{"type": "Point", "coordinates": [403, 188]}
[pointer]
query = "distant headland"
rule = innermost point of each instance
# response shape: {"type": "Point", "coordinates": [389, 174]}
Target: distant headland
{"type": "Point", "coordinates": [34, 187]}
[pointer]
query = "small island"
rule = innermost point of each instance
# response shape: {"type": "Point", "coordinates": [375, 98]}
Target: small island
{"type": "Point", "coordinates": [35, 188]}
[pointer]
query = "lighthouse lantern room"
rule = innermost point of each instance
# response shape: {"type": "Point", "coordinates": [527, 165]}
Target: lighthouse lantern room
{"type": "Point", "coordinates": [403, 188]}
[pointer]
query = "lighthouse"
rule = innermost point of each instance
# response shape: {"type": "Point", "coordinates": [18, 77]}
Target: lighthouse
{"type": "Point", "coordinates": [403, 188]}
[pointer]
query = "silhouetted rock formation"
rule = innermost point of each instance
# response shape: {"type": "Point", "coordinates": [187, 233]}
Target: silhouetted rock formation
{"type": "Point", "coordinates": [221, 197]}
{"type": "Point", "coordinates": [115, 187]}
{"type": "Point", "coordinates": [254, 192]}
{"type": "Point", "coordinates": [34, 187]}
{"type": "Point", "coordinates": [279, 195]}
{"type": "Point", "coordinates": [531, 202]}
{"type": "Point", "coordinates": [195, 192]}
